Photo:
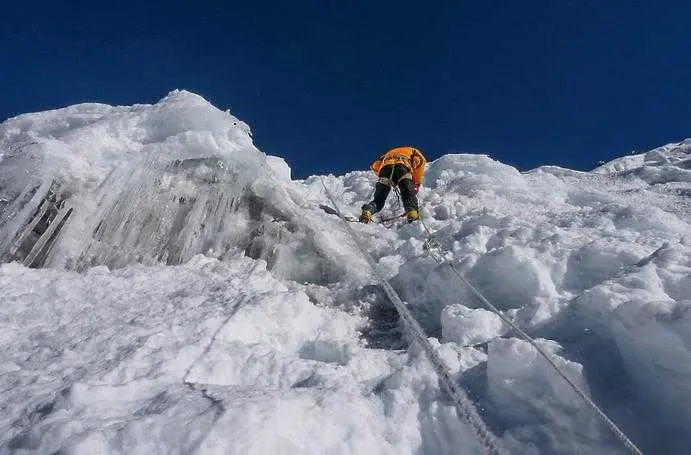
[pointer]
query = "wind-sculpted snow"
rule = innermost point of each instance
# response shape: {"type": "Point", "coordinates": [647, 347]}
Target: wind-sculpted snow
{"type": "Point", "coordinates": [195, 300]}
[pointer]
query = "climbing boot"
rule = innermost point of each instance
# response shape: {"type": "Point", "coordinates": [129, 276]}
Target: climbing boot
{"type": "Point", "coordinates": [366, 216]}
{"type": "Point", "coordinates": [412, 215]}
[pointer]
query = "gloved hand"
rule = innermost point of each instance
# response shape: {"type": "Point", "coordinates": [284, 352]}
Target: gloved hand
{"type": "Point", "coordinates": [417, 188]}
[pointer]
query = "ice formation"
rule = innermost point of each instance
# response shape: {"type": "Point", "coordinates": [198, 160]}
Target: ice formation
{"type": "Point", "coordinates": [165, 287]}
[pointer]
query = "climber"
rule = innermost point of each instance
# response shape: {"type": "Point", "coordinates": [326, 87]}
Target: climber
{"type": "Point", "coordinates": [403, 167]}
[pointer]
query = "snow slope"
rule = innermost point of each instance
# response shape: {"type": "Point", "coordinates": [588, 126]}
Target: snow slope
{"type": "Point", "coordinates": [194, 299]}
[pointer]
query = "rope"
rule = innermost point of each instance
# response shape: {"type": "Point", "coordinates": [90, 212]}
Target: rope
{"type": "Point", "coordinates": [392, 218]}
{"type": "Point", "coordinates": [212, 340]}
{"type": "Point", "coordinates": [579, 391]}
{"type": "Point", "coordinates": [398, 198]}
{"type": "Point", "coordinates": [459, 397]}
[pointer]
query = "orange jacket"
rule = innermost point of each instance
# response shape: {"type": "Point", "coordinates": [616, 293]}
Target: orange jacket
{"type": "Point", "coordinates": [410, 157]}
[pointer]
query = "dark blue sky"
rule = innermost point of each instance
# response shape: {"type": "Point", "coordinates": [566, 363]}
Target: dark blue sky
{"type": "Point", "coordinates": [329, 85]}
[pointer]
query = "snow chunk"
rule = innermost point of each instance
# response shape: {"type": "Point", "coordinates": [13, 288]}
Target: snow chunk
{"type": "Point", "coordinates": [512, 277]}
{"type": "Point", "coordinates": [389, 266]}
{"type": "Point", "coordinates": [530, 393]}
{"type": "Point", "coordinates": [279, 166]}
{"type": "Point", "coordinates": [521, 379]}
{"type": "Point", "coordinates": [468, 327]}
{"type": "Point", "coordinates": [467, 174]}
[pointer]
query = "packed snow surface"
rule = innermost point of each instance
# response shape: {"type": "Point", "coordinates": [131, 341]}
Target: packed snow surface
{"type": "Point", "coordinates": [166, 288]}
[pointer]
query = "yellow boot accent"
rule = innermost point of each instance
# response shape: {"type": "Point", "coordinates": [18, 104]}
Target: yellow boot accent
{"type": "Point", "coordinates": [366, 216]}
{"type": "Point", "coordinates": [412, 215]}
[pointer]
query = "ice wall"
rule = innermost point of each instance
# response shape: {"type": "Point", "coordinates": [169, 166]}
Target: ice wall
{"type": "Point", "coordinates": [94, 184]}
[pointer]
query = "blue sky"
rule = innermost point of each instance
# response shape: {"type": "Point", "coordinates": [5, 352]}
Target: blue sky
{"type": "Point", "coordinates": [330, 85]}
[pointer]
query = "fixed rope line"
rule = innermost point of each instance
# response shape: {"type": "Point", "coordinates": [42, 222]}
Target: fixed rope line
{"type": "Point", "coordinates": [391, 218]}
{"type": "Point", "coordinates": [212, 340]}
{"type": "Point", "coordinates": [399, 200]}
{"type": "Point", "coordinates": [579, 391]}
{"type": "Point", "coordinates": [459, 397]}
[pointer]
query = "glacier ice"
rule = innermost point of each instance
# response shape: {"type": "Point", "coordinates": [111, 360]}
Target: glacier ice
{"type": "Point", "coordinates": [165, 287]}
{"type": "Point", "coordinates": [151, 184]}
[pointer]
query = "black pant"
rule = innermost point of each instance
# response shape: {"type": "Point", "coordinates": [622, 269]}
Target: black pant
{"type": "Point", "coordinates": [393, 172]}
